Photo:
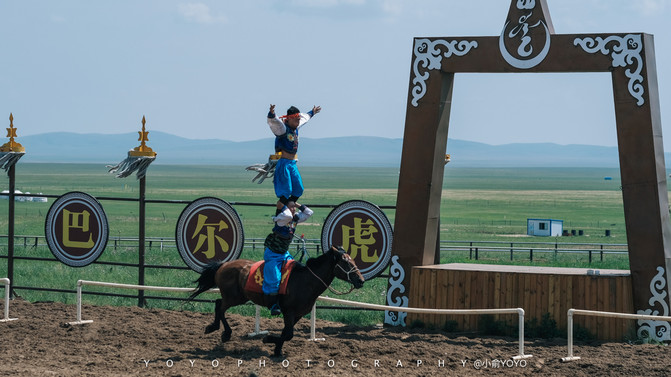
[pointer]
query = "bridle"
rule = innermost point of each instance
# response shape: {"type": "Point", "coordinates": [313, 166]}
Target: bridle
{"type": "Point", "coordinates": [351, 270]}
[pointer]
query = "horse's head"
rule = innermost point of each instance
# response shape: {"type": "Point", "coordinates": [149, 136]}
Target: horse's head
{"type": "Point", "coordinates": [345, 268]}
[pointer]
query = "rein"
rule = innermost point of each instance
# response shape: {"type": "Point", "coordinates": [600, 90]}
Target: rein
{"type": "Point", "coordinates": [333, 289]}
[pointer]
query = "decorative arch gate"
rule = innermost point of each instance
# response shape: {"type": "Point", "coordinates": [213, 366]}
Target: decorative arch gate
{"type": "Point", "coordinates": [528, 43]}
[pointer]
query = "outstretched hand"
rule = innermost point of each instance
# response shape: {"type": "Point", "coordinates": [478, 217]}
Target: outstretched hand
{"type": "Point", "coordinates": [316, 109]}
{"type": "Point", "coordinates": [272, 109]}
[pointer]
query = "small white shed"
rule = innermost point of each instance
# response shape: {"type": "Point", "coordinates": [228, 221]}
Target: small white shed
{"type": "Point", "coordinates": [544, 227]}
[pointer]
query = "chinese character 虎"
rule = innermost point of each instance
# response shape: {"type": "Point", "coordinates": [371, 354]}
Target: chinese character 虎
{"type": "Point", "coordinates": [357, 239]}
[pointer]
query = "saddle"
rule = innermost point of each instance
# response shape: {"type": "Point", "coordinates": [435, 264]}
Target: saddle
{"type": "Point", "coordinates": [255, 278]}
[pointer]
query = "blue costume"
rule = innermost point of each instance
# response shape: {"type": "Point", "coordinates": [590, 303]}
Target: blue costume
{"type": "Point", "coordinates": [277, 250]}
{"type": "Point", "coordinates": [287, 180]}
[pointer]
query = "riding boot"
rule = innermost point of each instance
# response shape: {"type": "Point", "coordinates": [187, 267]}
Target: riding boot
{"type": "Point", "coordinates": [273, 304]}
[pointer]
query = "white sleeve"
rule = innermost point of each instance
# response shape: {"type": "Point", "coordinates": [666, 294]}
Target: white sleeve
{"type": "Point", "coordinates": [284, 218]}
{"type": "Point", "coordinates": [277, 126]}
{"type": "Point", "coordinates": [304, 119]}
{"type": "Point", "coordinates": [305, 214]}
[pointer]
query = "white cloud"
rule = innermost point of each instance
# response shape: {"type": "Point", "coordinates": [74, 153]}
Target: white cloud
{"type": "Point", "coordinates": [57, 19]}
{"type": "Point", "coordinates": [392, 7]}
{"type": "Point", "coordinates": [199, 13]}
{"type": "Point", "coordinates": [650, 7]}
{"type": "Point", "coordinates": [344, 8]}
{"type": "Point", "coordinates": [327, 3]}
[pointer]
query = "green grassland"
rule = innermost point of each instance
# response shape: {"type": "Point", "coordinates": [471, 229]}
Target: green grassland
{"type": "Point", "coordinates": [477, 204]}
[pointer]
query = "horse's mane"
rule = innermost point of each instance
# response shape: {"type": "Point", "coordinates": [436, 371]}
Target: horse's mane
{"type": "Point", "coordinates": [311, 262]}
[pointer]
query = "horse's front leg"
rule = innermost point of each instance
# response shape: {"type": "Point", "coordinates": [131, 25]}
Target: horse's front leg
{"type": "Point", "coordinates": [287, 334]}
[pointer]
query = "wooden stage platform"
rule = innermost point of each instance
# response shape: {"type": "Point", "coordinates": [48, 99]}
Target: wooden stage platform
{"type": "Point", "coordinates": [537, 290]}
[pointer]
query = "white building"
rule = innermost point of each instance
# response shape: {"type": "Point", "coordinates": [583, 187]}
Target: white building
{"type": "Point", "coordinates": [544, 227]}
{"type": "Point", "coordinates": [5, 196]}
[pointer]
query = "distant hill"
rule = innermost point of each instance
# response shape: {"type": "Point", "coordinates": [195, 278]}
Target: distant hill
{"type": "Point", "coordinates": [341, 151]}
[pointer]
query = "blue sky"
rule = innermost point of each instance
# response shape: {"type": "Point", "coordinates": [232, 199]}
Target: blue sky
{"type": "Point", "coordinates": [209, 69]}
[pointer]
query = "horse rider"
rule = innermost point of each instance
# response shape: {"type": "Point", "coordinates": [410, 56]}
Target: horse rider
{"type": "Point", "coordinates": [277, 250]}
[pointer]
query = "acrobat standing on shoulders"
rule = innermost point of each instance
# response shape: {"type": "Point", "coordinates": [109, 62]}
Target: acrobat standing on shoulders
{"type": "Point", "coordinates": [277, 250]}
{"type": "Point", "coordinates": [287, 179]}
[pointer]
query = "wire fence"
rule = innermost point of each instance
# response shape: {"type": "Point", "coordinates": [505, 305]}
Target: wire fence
{"type": "Point", "coordinates": [472, 249]}
{"type": "Point", "coordinates": [526, 250]}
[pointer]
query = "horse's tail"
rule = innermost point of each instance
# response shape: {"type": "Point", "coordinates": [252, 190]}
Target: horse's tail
{"type": "Point", "coordinates": [206, 279]}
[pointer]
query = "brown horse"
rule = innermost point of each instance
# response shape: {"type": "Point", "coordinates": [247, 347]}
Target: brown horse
{"type": "Point", "coordinates": [305, 284]}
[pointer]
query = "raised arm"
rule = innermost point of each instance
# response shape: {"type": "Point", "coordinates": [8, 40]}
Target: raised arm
{"type": "Point", "coordinates": [276, 125]}
{"type": "Point", "coordinates": [304, 213]}
{"type": "Point", "coordinates": [309, 115]}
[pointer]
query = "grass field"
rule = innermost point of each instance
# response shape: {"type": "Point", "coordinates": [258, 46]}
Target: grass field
{"type": "Point", "coordinates": [478, 204]}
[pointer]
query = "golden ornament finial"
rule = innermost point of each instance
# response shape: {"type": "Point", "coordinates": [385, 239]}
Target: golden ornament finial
{"type": "Point", "coordinates": [12, 146]}
{"type": "Point", "coordinates": [143, 149]}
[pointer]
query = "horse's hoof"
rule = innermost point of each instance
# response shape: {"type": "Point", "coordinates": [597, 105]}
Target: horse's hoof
{"type": "Point", "coordinates": [225, 337]}
{"type": "Point", "coordinates": [211, 328]}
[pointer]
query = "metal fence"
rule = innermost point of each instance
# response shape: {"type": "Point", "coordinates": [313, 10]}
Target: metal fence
{"type": "Point", "coordinates": [312, 246]}
{"type": "Point", "coordinates": [473, 249]}
{"type": "Point", "coordinates": [527, 250]}
{"type": "Point", "coordinates": [523, 249]}
{"type": "Point", "coordinates": [140, 243]}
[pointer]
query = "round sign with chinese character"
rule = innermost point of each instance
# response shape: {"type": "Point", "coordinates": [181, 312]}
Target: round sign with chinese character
{"type": "Point", "coordinates": [76, 229]}
{"type": "Point", "coordinates": [209, 230]}
{"type": "Point", "coordinates": [364, 231]}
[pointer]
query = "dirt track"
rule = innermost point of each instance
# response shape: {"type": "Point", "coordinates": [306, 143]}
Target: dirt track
{"type": "Point", "coordinates": [126, 341]}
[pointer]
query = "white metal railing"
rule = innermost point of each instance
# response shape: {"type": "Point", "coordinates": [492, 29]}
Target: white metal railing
{"type": "Point", "coordinates": [518, 311]}
{"type": "Point", "coordinates": [6, 283]}
{"type": "Point", "coordinates": [81, 283]}
{"type": "Point", "coordinates": [595, 313]}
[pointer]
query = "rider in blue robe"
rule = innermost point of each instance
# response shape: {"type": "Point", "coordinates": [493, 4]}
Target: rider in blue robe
{"type": "Point", "coordinates": [277, 250]}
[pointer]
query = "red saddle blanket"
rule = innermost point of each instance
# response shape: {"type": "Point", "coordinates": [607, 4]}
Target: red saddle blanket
{"type": "Point", "coordinates": [255, 278]}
